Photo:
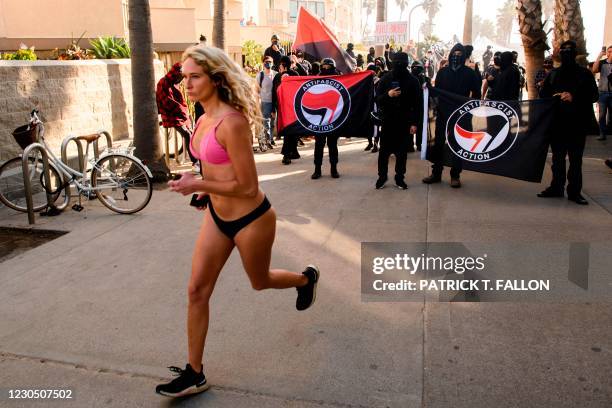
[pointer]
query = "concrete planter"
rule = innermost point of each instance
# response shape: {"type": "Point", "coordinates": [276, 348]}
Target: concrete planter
{"type": "Point", "coordinates": [74, 97]}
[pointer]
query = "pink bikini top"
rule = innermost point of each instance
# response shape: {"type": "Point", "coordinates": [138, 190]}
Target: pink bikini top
{"type": "Point", "coordinates": [211, 150]}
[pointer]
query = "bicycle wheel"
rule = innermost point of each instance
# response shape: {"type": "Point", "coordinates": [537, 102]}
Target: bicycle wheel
{"type": "Point", "coordinates": [121, 183]}
{"type": "Point", "coordinates": [12, 189]}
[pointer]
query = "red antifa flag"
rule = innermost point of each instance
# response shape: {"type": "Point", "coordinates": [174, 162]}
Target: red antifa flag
{"type": "Point", "coordinates": [315, 38]}
{"type": "Point", "coordinates": [337, 105]}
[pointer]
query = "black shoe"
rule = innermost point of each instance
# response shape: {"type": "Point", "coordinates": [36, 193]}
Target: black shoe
{"type": "Point", "coordinates": [602, 138]}
{"type": "Point", "coordinates": [317, 173]}
{"type": "Point", "coordinates": [609, 163]}
{"type": "Point", "coordinates": [375, 149]}
{"type": "Point", "coordinates": [550, 193]}
{"type": "Point", "coordinates": [380, 183]}
{"type": "Point", "coordinates": [300, 143]}
{"type": "Point", "coordinates": [455, 182]}
{"type": "Point", "coordinates": [272, 142]}
{"type": "Point", "coordinates": [432, 179]}
{"type": "Point", "coordinates": [295, 156]}
{"type": "Point", "coordinates": [579, 199]}
{"type": "Point", "coordinates": [401, 184]}
{"type": "Point", "coordinates": [334, 171]}
{"type": "Point", "coordinates": [188, 382]}
{"type": "Point", "coordinates": [308, 293]}
{"type": "Point", "coordinates": [286, 160]}
{"type": "Point", "coordinates": [368, 147]}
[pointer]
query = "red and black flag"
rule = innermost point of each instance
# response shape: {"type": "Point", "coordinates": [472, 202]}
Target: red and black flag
{"type": "Point", "coordinates": [315, 38]}
{"type": "Point", "coordinates": [504, 138]}
{"type": "Point", "coordinates": [337, 105]}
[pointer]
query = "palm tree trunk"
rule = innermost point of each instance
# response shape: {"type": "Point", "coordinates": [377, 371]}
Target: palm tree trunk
{"type": "Point", "coordinates": [467, 25]}
{"type": "Point", "coordinates": [380, 17]}
{"type": "Point", "coordinates": [534, 39]}
{"type": "Point", "coordinates": [219, 25]}
{"type": "Point", "coordinates": [146, 125]}
{"type": "Point", "coordinates": [569, 26]}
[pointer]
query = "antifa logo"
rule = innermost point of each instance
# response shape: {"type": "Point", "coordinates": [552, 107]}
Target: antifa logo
{"type": "Point", "coordinates": [481, 131]}
{"type": "Point", "coordinates": [322, 105]}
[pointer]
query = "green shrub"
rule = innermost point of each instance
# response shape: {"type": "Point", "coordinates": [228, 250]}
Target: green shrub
{"type": "Point", "coordinates": [252, 53]}
{"type": "Point", "coordinates": [111, 48]}
{"type": "Point", "coordinates": [23, 53]}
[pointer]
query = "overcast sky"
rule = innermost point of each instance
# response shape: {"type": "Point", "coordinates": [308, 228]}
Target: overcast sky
{"type": "Point", "coordinates": [449, 20]}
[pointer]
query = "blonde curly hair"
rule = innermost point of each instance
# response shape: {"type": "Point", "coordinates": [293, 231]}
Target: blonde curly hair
{"type": "Point", "coordinates": [236, 87]}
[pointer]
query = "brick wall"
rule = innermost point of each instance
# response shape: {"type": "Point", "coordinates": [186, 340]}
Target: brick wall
{"type": "Point", "coordinates": [74, 97]}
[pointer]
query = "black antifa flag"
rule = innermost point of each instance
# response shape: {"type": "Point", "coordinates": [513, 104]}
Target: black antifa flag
{"type": "Point", "coordinates": [326, 105]}
{"type": "Point", "coordinates": [504, 138]}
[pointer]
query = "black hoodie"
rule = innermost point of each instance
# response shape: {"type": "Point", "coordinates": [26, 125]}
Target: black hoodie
{"type": "Point", "coordinates": [465, 81]}
{"type": "Point", "coordinates": [508, 83]}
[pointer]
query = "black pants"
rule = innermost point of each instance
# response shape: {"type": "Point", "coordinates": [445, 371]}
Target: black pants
{"type": "Point", "coordinates": [395, 139]}
{"type": "Point", "coordinates": [570, 144]}
{"type": "Point", "coordinates": [289, 146]}
{"type": "Point", "coordinates": [438, 152]}
{"type": "Point", "coordinates": [186, 140]}
{"type": "Point", "coordinates": [332, 147]}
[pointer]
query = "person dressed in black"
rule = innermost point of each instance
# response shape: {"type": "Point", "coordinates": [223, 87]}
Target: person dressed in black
{"type": "Point", "coordinates": [418, 71]}
{"type": "Point", "coordinates": [350, 50]}
{"type": "Point", "coordinates": [275, 51]}
{"type": "Point", "coordinates": [462, 80]}
{"type": "Point", "coordinates": [508, 83]}
{"type": "Point", "coordinates": [576, 88]}
{"type": "Point", "coordinates": [489, 75]}
{"type": "Point", "coordinates": [289, 150]}
{"type": "Point", "coordinates": [400, 100]}
{"type": "Point", "coordinates": [371, 55]}
{"type": "Point", "coordinates": [486, 57]}
{"type": "Point", "coordinates": [328, 67]}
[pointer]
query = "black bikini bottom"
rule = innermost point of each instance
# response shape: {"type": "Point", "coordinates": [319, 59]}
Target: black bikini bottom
{"type": "Point", "coordinates": [231, 228]}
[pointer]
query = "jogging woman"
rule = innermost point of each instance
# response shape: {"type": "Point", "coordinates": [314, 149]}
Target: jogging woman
{"type": "Point", "coordinates": [238, 213]}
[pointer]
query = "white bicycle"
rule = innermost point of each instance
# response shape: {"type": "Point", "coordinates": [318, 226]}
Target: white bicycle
{"type": "Point", "coordinates": [118, 179]}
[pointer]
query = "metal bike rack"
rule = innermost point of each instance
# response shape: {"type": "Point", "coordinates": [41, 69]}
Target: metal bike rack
{"type": "Point", "coordinates": [177, 159]}
{"type": "Point", "coordinates": [109, 143]}
{"type": "Point", "coordinates": [27, 184]}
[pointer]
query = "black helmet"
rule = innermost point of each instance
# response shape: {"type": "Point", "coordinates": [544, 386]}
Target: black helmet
{"type": "Point", "coordinates": [328, 61]}
{"type": "Point", "coordinates": [274, 37]}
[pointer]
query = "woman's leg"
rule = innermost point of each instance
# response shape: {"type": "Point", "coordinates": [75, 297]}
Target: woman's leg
{"type": "Point", "coordinates": [254, 242]}
{"type": "Point", "coordinates": [211, 251]}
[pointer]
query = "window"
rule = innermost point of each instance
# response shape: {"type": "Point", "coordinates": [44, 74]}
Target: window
{"type": "Point", "coordinates": [315, 7]}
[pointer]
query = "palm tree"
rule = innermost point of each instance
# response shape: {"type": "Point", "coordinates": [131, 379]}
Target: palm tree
{"type": "Point", "coordinates": [534, 39]}
{"type": "Point", "coordinates": [146, 127]}
{"type": "Point", "coordinates": [467, 24]}
{"type": "Point", "coordinates": [505, 18]}
{"type": "Point", "coordinates": [483, 27]}
{"type": "Point", "coordinates": [218, 39]}
{"type": "Point", "coordinates": [431, 7]}
{"type": "Point", "coordinates": [402, 4]}
{"type": "Point", "coordinates": [569, 26]}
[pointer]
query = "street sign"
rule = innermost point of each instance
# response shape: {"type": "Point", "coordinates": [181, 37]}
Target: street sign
{"type": "Point", "coordinates": [387, 31]}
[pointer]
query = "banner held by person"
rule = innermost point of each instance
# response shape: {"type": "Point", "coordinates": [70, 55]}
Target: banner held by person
{"type": "Point", "coordinates": [503, 138]}
{"type": "Point", "coordinates": [315, 38]}
{"type": "Point", "coordinates": [329, 105]}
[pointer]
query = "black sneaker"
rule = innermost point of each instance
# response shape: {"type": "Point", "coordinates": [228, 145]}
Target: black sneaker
{"type": "Point", "coordinates": [578, 199]}
{"type": "Point", "coordinates": [308, 293]}
{"type": "Point", "coordinates": [551, 193]}
{"type": "Point", "coordinates": [317, 173]}
{"type": "Point", "coordinates": [380, 183]}
{"type": "Point", "coordinates": [368, 147]}
{"type": "Point", "coordinates": [187, 382]}
{"type": "Point", "coordinates": [609, 163]}
{"type": "Point", "coordinates": [401, 184]}
{"type": "Point", "coordinates": [375, 149]}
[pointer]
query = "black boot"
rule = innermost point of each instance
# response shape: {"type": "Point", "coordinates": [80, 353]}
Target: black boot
{"type": "Point", "coordinates": [368, 147]}
{"type": "Point", "coordinates": [334, 171]}
{"type": "Point", "coordinates": [317, 173]}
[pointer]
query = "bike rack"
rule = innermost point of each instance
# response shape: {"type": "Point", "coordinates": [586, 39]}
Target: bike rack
{"type": "Point", "coordinates": [26, 180]}
{"type": "Point", "coordinates": [109, 143]}
{"type": "Point", "coordinates": [177, 158]}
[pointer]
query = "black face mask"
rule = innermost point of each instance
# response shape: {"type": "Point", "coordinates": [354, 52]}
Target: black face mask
{"type": "Point", "coordinates": [400, 67]}
{"type": "Point", "coordinates": [327, 71]}
{"type": "Point", "coordinates": [568, 56]}
{"type": "Point", "coordinates": [416, 71]}
{"type": "Point", "coordinates": [456, 62]}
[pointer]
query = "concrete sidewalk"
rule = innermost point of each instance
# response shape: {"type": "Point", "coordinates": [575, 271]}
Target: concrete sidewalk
{"type": "Point", "coordinates": [101, 310]}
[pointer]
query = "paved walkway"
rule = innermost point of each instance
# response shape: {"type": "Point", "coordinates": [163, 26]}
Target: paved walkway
{"type": "Point", "coordinates": [101, 310]}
